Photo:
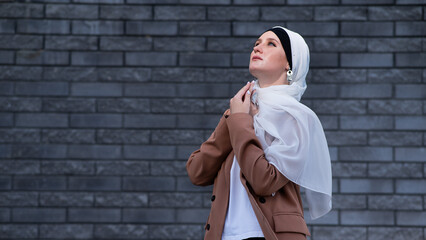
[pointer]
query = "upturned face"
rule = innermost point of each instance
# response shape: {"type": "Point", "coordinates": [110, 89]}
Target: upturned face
{"type": "Point", "coordinates": [268, 56]}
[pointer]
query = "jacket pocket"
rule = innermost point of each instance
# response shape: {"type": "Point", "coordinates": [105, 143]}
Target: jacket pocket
{"type": "Point", "coordinates": [290, 222]}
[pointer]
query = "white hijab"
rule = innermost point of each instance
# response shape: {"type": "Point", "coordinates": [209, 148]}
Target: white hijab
{"type": "Point", "coordinates": [291, 134]}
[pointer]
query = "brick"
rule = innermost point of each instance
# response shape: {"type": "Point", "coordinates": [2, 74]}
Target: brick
{"type": "Point", "coordinates": [315, 28]}
{"type": "Point", "coordinates": [197, 121]}
{"type": "Point", "coordinates": [205, 59]}
{"type": "Point", "coordinates": [97, 58]}
{"type": "Point", "coordinates": [177, 75]}
{"type": "Point", "coordinates": [203, 90]}
{"type": "Point", "coordinates": [18, 199]}
{"type": "Point", "coordinates": [410, 123]}
{"type": "Point", "coordinates": [366, 186]}
{"type": "Point", "coordinates": [411, 59]}
{"type": "Point", "coordinates": [321, 91]}
{"type": "Point", "coordinates": [185, 185]}
{"type": "Point", "coordinates": [255, 2]}
{"type": "Point", "coordinates": [219, 44]}
{"type": "Point", "coordinates": [411, 186]}
{"type": "Point", "coordinates": [309, 2]}
{"type": "Point", "coordinates": [240, 59]}
{"type": "Point", "coordinates": [216, 106]}
{"type": "Point", "coordinates": [227, 75]}
{"type": "Point", "coordinates": [394, 107]}
{"type": "Point", "coordinates": [346, 138]}
{"type": "Point", "coordinates": [168, 168]}
{"type": "Point", "coordinates": [328, 122]}
{"type": "Point", "coordinates": [366, 60]}
{"type": "Point", "coordinates": [42, 57]}
{"type": "Point", "coordinates": [5, 183]}
{"type": "Point", "coordinates": [94, 183]}
{"type": "Point", "coordinates": [68, 105]}
{"type": "Point", "coordinates": [39, 151]}
{"type": "Point", "coordinates": [140, 215]}
{"type": "Point", "coordinates": [411, 91]}
{"type": "Point", "coordinates": [367, 29]}
{"type": "Point", "coordinates": [205, 28]}
{"type": "Point", "coordinates": [6, 88]}
{"type": "Point", "coordinates": [324, 60]}
{"type": "Point", "coordinates": [19, 167]}
{"type": "Point", "coordinates": [154, 184]}
{"type": "Point", "coordinates": [41, 120]}
{"type": "Point", "coordinates": [38, 215]}
{"type": "Point", "coordinates": [39, 183]}
{"type": "Point", "coordinates": [101, 1]}
{"type": "Point", "coordinates": [395, 13]}
{"type": "Point", "coordinates": [66, 199]}
{"type": "Point", "coordinates": [193, 215]}
{"type": "Point", "coordinates": [92, 27]}
{"type": "Point", "coordinates": [286, 13]}
{"type": "Point", "coordinates": [123, 136]}
{"type": "Point", "coordinates": [411, 218]}
{"type": "Point", "coordinates": [7, 26]}
{"type": "Point", "coordinates": [20, 73]}
{"type": "Point", "coordinates": [330, 218]}
{"type": "Point", "coordinates": [347, 201]}
{"type": "Point", "coordinates": [68, 136]}
{"type": "Point", "coordinates": [366, 90]}
{"type": "Point", "coordinates": [395, 202]}
{"type": "Point", "coordinates": [149, 152]}
{"type": "Point", "coordinates": [153, 1]}
{"type": "Point", "coordinates": [121, 199]}
{"type": "Point", "coordinates": [126, 43]}
{"type": "Point", "coordinates": [43, 26]}
{"type": "Point", "coordinates": [7, 57]}
{"type": "Point", "coordinates": [4, 215]}
{"type": "Point", "coordinates": [149, 121]}
{"type": "Point", "coordinates": [169, 200]}
{"type": "Point", "coordinates": [19, 230]}
{"type": "Point", "coordinates": [340, 106]}
{"type": "Point", "coordinates": [366, 2]}
{"type": "Point", "coordinates": [67, 231]}
{"type": "Point", "coordinates": [126, 12]}
{"type": "Point", "coordinates": [121, 231]}
{"type": "Point", "coordinates": [177, 106]}
{"type": "Point", "coordinates": [71, 43]}
{"type": "Point", "coordinates": [409, 1]}
{"type": "Point", "coordinates": [124, 74]}
{"type": "Point", "coordinates": [177, 136]}
{"type": "Point", "coordinates": [365, 153]}
{"type": "Point", "coordinates": [68, 167]}
{"type": "Point", "coordinates": [395, 233]}
{"type": "Point", "coordinates": [96, 120]}
{"type": "Point", "coordinates": [70, 74]}
{"type": "Point", "coordinates": [325, 44]}
{"type": "Point", "coordinates": [338, 75]}
{"type": "Point", "coordinates": [41, 88]}
{"type": "Point", "coordinates": [396, 170]}
{"type": "Point", "coordinates": [394, 75]}
{"type": "Point", "coordinates": [395, 138]}
{"type": "Point", "coordinates": [394, 45]}
{"type": "Point", "coordinates": [20, 104]}
{"type": "Point", "coordinates": [251, 28]}
{"type": "Point", "coordinates": [179, 13]}
{"type": "Point", "coordinates": [74, 11]}
{"type": "Point", "coordinates": [96, 89]}
{"type": "Point", "coordinates": [21, 10]}
{"type": "Point", "coordinates": [410, 28]}
{"type": "Point", "coordinates": [151, 59]}
{"type": "Point", "coordinates": [93, 215]}
{"type": "Point", "coordinates": [19, 136]}
{"type": "Point", "coordinates": [367, 218]}
{"type": "Point", "coordinates": [179, 44]}
{"type": "Point", "coordinates": [410, 154]}
{"type": "Point", "coordinates": [222, 2]}
{"type": "Point", "coordinates": [122, 168]}
{"type": "Point", "coordinates": [6, 119]}
{"type": "Point", "coordinates": [151, 28]}
{"type": "Point", "coordinates": [339, 232]}
{"type": "Point", "coordinates": [340, 13]}
{"type": "Point", "coordinates": [169, 231]}
{"type": "Point", "coordinates": [94, 151]}
{"type": "Point", "coordinates": [233, 13]}
{"type": "Point", "coordinates": [349, 169]}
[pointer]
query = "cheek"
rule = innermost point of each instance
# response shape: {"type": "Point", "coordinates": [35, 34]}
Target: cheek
{"type": "Point", "coordinates": [278, 60]}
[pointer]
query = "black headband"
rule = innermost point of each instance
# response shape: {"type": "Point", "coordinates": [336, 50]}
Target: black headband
{"type": "Point", "coordinates": [285, 41]}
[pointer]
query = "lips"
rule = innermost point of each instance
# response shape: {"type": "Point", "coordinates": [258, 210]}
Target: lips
{"type": "Point", "coordinates": [256, 58]}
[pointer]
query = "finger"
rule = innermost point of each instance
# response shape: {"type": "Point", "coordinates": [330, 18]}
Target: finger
{"type": "Point", "coordinates": [242, 91]}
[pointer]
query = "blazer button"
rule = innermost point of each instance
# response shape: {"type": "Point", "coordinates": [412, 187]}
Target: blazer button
{"type": "Point", "coordinates": [208, 226]}
{"type": "Point", "coordinates": [262, 200]}
{"type": "Point", "coordinates": [213, 198]}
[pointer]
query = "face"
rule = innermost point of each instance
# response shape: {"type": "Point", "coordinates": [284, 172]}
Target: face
{"type": "Point", "coordinates": [268, 56]}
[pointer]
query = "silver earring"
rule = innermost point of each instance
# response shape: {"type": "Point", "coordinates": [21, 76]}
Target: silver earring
{"type": "Point", "coordinates": [289, 76]}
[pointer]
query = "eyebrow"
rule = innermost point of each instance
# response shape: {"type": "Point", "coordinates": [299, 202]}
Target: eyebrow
{"type": "Point", "coordinates": [266, 39]}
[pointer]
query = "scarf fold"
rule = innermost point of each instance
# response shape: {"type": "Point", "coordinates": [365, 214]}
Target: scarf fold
{"type": "Point", "coordinates": [291, 134]}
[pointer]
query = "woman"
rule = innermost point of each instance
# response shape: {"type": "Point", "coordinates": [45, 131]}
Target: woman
{"type": "Point", "coordinates": [265, 146]}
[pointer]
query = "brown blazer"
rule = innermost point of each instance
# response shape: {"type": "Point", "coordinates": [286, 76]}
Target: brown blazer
{"type": "Point", "coordinates": [275, 200]}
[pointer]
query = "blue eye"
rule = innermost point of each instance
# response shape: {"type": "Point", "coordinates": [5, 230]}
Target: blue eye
{"type": "Point", "coordinates": [273, 44]}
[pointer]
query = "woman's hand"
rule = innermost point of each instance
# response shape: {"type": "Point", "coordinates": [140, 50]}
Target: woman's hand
{"type": "Point", "coordinates": [241, 102]}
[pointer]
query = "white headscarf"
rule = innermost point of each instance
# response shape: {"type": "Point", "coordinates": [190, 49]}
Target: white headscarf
{"type": "Point", "coordinates": [291, 134]}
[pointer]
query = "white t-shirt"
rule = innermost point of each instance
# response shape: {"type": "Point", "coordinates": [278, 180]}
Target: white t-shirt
{"type": "Point", "coordinates": [241, 221]}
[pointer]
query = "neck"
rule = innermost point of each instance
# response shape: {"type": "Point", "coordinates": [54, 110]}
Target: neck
{"type": "Point", "coordinates": [267, 81]}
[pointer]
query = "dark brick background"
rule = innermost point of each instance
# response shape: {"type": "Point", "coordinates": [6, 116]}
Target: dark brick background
{"type": "Point", "coordinates": [102, 101]}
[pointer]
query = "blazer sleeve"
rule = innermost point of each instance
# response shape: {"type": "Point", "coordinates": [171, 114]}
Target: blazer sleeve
{"type": "Point", "coordinates": [263, 177]}
{"type": "Point", "coordinates": [204, 163]}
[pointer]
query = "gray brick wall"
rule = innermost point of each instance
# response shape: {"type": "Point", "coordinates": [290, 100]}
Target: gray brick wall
{"type": "Point", "coordinates": [102, 101]}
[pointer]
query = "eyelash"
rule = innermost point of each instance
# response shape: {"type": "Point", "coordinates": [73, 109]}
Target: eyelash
{"type": "Point", "coordinates": [268, 43]}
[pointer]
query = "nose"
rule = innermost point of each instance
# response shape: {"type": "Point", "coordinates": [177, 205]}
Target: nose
{"type": "Point", "coordinates": [257, 48]}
